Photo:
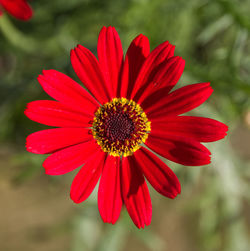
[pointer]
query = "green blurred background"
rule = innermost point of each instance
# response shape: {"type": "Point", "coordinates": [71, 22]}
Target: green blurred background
{"type": "Point", "coordinates": [213, 211]}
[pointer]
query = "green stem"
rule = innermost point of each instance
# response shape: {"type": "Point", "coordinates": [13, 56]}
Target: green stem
{"type": "Point", "coordinates": [15, 37]}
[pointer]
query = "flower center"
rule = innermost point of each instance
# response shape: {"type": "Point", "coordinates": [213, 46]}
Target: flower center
{"type": "Point", "coordinates": [120, 127]}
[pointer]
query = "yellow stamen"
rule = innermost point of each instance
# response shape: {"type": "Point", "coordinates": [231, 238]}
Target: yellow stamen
{"type": "Point", "coordinates": [120, 127]}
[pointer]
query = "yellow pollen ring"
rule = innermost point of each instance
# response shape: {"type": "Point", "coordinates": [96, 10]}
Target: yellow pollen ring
{"type": "Point", "coordinates": [120, 127]}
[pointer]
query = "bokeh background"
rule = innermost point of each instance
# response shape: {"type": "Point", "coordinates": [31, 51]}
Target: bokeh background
{"type": "Point", "coordinates": [213, 211]}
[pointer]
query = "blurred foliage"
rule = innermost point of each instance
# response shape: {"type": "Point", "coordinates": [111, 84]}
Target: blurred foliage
{"type": "Point", "coordinates": [211, 35]}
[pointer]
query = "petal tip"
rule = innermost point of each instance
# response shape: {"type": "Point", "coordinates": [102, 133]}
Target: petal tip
{"type": "Point", "coordinates": [74, 199]}
{"type": "Point", "coordinates": [72, 52]}
{"type": "Point", "coordinates": [26, 111]}
{"type": "Point", "coordinates": [51, 172]}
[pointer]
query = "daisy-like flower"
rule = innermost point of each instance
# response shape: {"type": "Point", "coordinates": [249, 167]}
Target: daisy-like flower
{"type": "Point", "coordinates": [19, 9]}
{"type": "Point", "coordinates": [113, 130]}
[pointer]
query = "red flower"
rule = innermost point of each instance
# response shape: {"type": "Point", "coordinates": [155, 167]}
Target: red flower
{"type": "Point", "coordinates": [128, 110]}
{"type": "Point", "coordinates": [19, 9]}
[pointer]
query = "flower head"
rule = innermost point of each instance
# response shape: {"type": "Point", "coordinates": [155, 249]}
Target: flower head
{"type": "Point", "coordinates": [113, 130]}
{"type": "Point", "coordinates": [19, 9]}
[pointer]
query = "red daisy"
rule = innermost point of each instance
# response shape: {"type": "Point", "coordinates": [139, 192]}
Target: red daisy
{"type": "Point", "coordinates": [114, 129]}
{"type": "Point", "coordinates": [19, 9]}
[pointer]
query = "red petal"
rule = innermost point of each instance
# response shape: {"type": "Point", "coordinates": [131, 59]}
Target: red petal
{"type": "Point", "coordinates": [135, 193]}
{"type": "Point", "coordinates": [181, 150]}
{"type": "Point", "coordinates": [179, 101]}
{"type": "Point", "coordinates": [64, 89]}
{"type": "Point", "coordinates": [53, 113]}
{"type": "Point", "coordinates": [164, 79]}
{"type": "Point", "coordinates": [87, 178]}
{"type": "Point", "coordinates": [110, 57]}
{"type": "Point", "coordinates": [17, 8]}
{"type": "Point", "coordinates": [109, 193]}
{"type": "Point", "coordinates": [159, 175]}
{"type": "Point", "coordinates": [137, 52]}
{"type": "Point", "coordinates": [48, 141]}
{"type": "Point", "coordinates": [151, 64]}
{"type": "Point", "coordinates": [88, 70]}
{"type": "Point", "coordinates": [70, 158]}
{"type": "Point", "coordinates": [197, 128]}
